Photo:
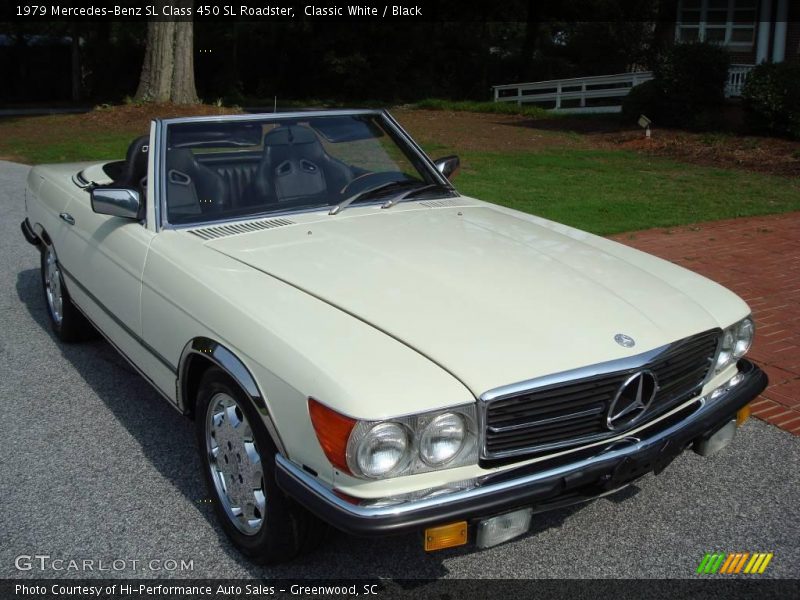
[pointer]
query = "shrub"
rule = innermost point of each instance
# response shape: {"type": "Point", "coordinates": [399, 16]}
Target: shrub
{"type": "Point", "coordinates": [688, 89]}
{"type": "Point", "coordinates": [771, 99]}
{"type": "Point", "coordinates": [692, 78]}
{"type": "Point", "coordinates": [646, 98]}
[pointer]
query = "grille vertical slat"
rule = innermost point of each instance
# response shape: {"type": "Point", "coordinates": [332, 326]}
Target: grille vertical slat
{"type": "Point", "coordinates": [551, 416]}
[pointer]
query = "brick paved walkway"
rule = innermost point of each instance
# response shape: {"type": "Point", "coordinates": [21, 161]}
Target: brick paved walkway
{"type": "Point", "coordinates": [759, 259]}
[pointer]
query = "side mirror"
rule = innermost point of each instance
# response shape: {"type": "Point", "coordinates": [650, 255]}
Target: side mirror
{"type": "Point", "coordinates": [448, 165]}
{"type": "Point", "coordinates": [117, 202]}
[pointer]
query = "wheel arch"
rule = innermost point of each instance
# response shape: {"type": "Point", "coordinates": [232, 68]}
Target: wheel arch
{"type": "Point", "coordinates": [201, 353]}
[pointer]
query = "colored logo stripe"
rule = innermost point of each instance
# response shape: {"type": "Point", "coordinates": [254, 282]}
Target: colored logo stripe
{"type": "Point", "coordinates": [734, 563]}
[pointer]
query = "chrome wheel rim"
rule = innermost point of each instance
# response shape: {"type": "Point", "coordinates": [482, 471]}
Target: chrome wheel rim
{"type": "Point", "coordinates": [235, 464]}
{"type": "Point", "coordinates": [52, 283]}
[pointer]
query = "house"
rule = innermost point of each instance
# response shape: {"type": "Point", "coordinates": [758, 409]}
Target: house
{"type": "Point", "coordinates": [754, 31]}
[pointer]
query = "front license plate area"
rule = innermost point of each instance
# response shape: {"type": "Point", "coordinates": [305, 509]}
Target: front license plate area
{"type": "Point", "coordinates": [502, 528]}
{"type": "Point", "coordinates": [631, 469]}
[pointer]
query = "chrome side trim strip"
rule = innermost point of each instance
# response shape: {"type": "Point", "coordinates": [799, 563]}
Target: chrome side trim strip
{"type": "Point", "coordinates": [132, 334]}
{"type": "Point", "coordinates": [233, 366]}
{"type": "Point", "coordinates": [135, 367]}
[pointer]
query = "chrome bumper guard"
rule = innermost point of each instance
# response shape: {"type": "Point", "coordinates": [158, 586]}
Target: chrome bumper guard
{"type": "Point", "coordinates": [542, 485]}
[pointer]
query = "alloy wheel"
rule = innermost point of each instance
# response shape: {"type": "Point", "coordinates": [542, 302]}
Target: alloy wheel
{"type": "Point", "coordinates": [235, 464]}
{"type": "Point", "coordinates": [52, 282]}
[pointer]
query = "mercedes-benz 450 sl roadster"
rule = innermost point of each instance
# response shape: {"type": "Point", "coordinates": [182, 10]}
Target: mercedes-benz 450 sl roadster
{"type": "Point", "coordinates": [360, 345]}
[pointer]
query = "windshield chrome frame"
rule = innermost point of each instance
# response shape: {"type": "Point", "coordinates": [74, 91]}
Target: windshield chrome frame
{"type": "Point", "coordinates": [162, 125]}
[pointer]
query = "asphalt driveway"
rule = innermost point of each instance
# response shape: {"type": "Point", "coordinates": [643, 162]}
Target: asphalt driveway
{"type": "Point", "coordinates": [95, 465]}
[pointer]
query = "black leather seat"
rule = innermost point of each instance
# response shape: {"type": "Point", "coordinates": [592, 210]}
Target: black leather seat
{"type": "Point", "coordinates": [134, 170]}
{"type": "Point", "coordinates": [295, 166]}
{"type": "Point", "coordinates": [238, 178]}
{"type": "Point", "coordinates": [193, 188]}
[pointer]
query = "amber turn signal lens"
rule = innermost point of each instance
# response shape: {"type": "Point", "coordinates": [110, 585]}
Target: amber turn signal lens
{"type": "Point", "coordinates": [743, 415]}
{"type": "Point", "coordinates": [333, 432]}
{"type": "Point", "coordinates": [446, 536]}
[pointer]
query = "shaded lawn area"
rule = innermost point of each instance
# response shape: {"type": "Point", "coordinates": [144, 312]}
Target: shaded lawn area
{"type": "Point", "coordinates": [556, 175]}
{"type": "Point", "coordinates": [613, 191]}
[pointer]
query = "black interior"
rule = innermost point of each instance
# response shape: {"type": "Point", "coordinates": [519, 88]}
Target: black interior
{"type": "Point", "coordinates": [133, 172]}
{"type": "Point", "coordinates": [293, 169]}
{"type": "Point", "coordinates": [294, 165]}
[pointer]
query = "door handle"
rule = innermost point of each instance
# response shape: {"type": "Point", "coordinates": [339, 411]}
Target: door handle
{"type": "Point", "coordinates": [67, 218]}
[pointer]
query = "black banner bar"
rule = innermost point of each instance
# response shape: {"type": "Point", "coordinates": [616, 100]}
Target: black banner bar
{"type": "Point", "coordinates": [32, 11]}
{"type": "Point", "coordinates": [722, 587]}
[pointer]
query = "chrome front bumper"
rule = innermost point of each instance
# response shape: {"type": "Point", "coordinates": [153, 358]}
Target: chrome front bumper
{"type": "Point", "coordinates": [544, 485]}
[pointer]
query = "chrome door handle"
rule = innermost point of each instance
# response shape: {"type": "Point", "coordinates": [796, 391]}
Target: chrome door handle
{"type": "Point", "coordinates": [68, 218]}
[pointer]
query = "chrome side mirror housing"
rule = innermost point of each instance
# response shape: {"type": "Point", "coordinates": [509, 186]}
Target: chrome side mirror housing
{"type": "Point", "coordinates": [117, 202]}
{"type": "Point", "coordinates": [448, 165]}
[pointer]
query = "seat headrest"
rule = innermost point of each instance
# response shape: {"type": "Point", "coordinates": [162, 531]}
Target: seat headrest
{"type": "Point", "coordinates": [181, 158]}
{"type": "Point", "coordinates": [135, 162]}
{"type": "Point", "coordinates": [287, 135]}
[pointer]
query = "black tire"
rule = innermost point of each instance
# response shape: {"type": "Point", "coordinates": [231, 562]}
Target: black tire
{"type": "Point", "coordinates": [68, 324]}
{"type": "Point", "coordinates": [287, 529]}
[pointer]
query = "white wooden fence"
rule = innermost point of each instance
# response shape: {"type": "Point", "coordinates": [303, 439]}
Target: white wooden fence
{"type": "Point", "coordinates": [598, 94]}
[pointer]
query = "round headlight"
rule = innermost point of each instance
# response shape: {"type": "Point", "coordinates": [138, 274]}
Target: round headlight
{"type": "Point", "coordinates": [744, 338]}
{"type": "Point", "coordinates": [383, 449]}
{"type": "Point", "coordinates": [442, 439]}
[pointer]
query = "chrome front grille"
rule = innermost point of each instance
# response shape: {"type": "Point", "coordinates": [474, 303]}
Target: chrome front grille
{"type": "Point", "coordinates": [573, 412]}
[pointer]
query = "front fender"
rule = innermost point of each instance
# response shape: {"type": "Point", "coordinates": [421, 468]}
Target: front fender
{"type": "Point", "coordinates": [225, 359]}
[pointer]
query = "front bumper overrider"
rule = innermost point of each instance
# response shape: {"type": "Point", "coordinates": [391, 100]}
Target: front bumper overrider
{"type": "Point", "coordinates": [578, 477]}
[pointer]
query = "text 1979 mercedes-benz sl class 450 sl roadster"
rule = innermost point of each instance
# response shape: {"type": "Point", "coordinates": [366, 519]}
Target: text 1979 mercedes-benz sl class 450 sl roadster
{"type": "Point", "coordinates": [361, 345]}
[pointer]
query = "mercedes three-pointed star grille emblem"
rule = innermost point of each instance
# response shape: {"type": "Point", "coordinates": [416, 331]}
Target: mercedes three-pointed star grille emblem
{"type": "Point", "coordinates": [632, 400]}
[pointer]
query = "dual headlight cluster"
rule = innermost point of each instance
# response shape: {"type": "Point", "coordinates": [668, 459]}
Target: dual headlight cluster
{"type": "Point", "coordinates": [413, 444]}
{"type": "Point", "coordinates": [736, 341]}
{"type": "Point", "coordinates": [405, 445]}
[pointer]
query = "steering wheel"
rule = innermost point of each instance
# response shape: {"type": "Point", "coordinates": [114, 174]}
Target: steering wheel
{"type": "Point", "coordinates": [369, 180]}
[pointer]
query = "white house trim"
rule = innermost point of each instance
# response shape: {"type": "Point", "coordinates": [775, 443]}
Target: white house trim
{"type": "Point", "coordinates": [762, 44]}
{"type": "Point", "coordinates": [779, 43]}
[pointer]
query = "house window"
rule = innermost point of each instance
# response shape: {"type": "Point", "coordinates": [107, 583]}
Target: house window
{"type": "Point", "coordinates": [726, 22]}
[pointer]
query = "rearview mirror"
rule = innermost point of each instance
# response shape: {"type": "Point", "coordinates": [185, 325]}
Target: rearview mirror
{"type": "Point", "coordinates": [117, 202]}
{"type": "Point", "coordinates": [448, 165]}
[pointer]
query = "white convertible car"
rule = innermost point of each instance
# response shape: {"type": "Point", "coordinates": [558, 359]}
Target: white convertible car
{"type": "Point", "coordinates": [361, 345]}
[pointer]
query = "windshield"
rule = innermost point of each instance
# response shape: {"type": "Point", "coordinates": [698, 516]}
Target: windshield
{"type": "Point", "coordinates": [236, 169]}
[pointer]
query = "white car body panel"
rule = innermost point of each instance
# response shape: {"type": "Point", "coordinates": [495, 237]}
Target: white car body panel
{"type": "Point", "coordinates": [454, 283]}
{"type": "Point", "coordinates": [376, 313]}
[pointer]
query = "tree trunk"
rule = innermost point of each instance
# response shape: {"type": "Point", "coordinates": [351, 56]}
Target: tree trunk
{"type": "Point", "coordinates": [183, 87]}
{"type": "Point", "coordinates": [155, 83]}
{"type": "Point", "coordinates": [168, 68]}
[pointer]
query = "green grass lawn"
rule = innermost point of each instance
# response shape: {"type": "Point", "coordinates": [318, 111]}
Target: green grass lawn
{"type": "Point", "coordinates": [609, 192]}
{"type": "Point", "coordinates": [107, 146]}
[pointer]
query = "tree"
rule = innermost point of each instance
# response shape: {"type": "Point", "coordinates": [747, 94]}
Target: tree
{"type": "Point", "coordinates": [168, 68]}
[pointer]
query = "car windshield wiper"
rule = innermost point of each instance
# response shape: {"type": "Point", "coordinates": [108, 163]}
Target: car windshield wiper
{"type": "Point", "coordinates": [368, 192]}
{"type": "Point", "coordinates": [412, 192]}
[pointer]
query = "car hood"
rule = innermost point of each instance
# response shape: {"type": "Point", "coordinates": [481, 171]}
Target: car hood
{"type": "Point", "coordinates": [492, 296]}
